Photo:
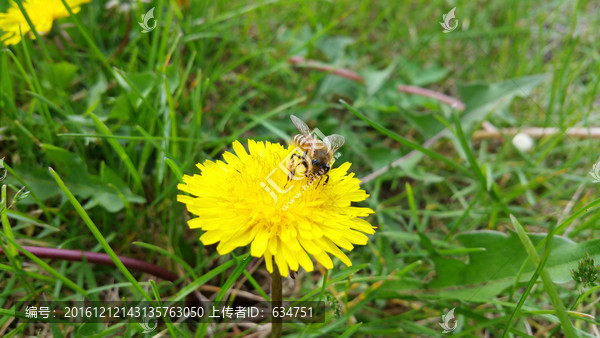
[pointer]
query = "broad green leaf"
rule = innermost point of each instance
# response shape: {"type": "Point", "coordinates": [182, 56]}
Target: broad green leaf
{"type": "Point", "coordinates": [381, 156]}
{"type": "Point", "coordinates": [374, 79]}
{"type": "Point", "coordinates": [483, 99]}
{"type": "Point", "coordinates": [337, 85]}
{"type": "Point", "coordinates": [41, 184]}
{"type": "Point", "coordinates": [61, 74]}
{"type": "Point", "coordinates": [70, 164]}
{"type": "Point", "coordinates": [143, 83]}
{"type": "Point", "coordinates": [107, 193]}
{"type": "Point", "coordinates": [419, 76]}
{"type": "Point", "coordinates": [429, 75]}
{"type": "Point", "coordinates": [122, 108]}
{"type": "Point", "coordinates": [334, 47]}
{"type": "Point", "coordinates": [426, 123]}
{"type": "Point", "coordinates": [89, 329]}
{"type": "Point", "coordinates": [411, 169]}
{"type": "Point", "coordinates": [487, 273]}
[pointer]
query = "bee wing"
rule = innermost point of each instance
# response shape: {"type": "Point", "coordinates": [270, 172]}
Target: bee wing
{"type": "Point", "coordinates": [302, 127]}
{"type": "Point", "coordinates": [334, 142]}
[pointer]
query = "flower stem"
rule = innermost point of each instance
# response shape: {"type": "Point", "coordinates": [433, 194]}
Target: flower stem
{"type": "Point", "coordinates": [276, 298]}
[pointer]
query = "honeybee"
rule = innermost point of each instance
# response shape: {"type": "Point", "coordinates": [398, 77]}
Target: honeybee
{"type": "Point", "coordinates": [317, 156]}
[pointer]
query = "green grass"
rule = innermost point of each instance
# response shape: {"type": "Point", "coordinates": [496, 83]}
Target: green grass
{"type": "Point", "coordinates": [119, 116]}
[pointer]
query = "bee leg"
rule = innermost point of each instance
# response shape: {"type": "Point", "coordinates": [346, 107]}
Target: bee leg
{"type": "Point", "coordinates": [305, 162]}
{"type": "Point", "coordinates": [322, 173]}
{"type": "Point", "coordinates": [292, 171]}
{"type": "Point", "coordinates": [290, 176]}
{"type": "Point", "coordinates": [318, 175]}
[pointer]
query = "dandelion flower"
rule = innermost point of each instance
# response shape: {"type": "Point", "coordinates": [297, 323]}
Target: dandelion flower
{"type": "Point", "coordinates": [41, 12]}
{"type": "Point", "coordinates": [248, 200]}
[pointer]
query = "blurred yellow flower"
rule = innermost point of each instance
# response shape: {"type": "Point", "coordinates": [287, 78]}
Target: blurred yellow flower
{"type": "Point", "coordinates": [41, 12]}
{"type": "Point", "coordinates": [249, 201]}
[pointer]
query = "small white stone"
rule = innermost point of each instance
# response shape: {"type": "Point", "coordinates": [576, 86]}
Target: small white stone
{"type": "Point", "coordinates": [523, 142]}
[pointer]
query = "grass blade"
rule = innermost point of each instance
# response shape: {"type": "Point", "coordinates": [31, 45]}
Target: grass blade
{"type": "Point", "coordinates": [98, 235]}
{"type": "Point", "coordinates": [561, 311]}
{"type": "Point", "coordinates": [103, 129]}
{"type": "Point", "coordinates": [45, 266]}
{"type": "Point", "coordinates": [202, 280]}
{"type": "Point", "coordinates": [169, 254]}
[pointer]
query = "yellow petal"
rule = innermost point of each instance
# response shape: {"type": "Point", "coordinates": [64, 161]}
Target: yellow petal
{"type": "Point", "coordinates": [356, 237]}
{"type": "Point", "coordinates": [195, 223]}
{"type": "Point", "coordinates": [290, 258]}
{"type": "Point", "coordinates": [304, 260]}
{"type": "Point", "coordinates": [210, 237]}
{"type": "Point", "coordinates": [333, 249]}
{"type": "Point", "coordinates": [282, 265]}
{"type": "Point", "coordinates": [269, 261]}
{"type": "Point", "coordinates": [259, 245]}
{"type": "Point", "coordinates": [273, 245]}
{"type": "Point", "coordinates": [310, 246]}
{"type": "Point", "coordinates": [324, 259]}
